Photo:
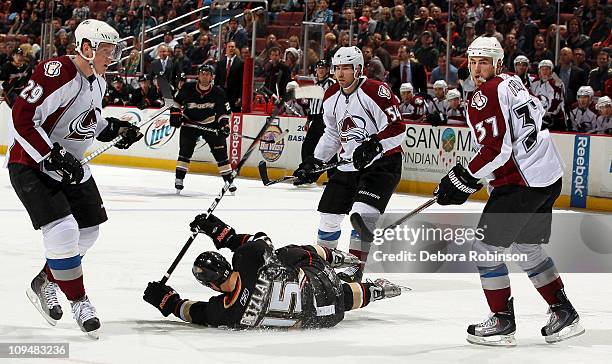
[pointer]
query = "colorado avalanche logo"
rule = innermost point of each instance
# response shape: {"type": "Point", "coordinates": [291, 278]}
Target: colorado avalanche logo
{"type": "Point", "coordinates": [83, 126]}
{"type": "Point", "coordinates": [52, 68]}
{"type": "Point", "coordinates": [545, 101]}
{"type": "Point", "coordinates": [352, 127]}
{"type": "Point", "coordinates": [384, 91]}
{"type": "Point", "coordinates": [479, 101]}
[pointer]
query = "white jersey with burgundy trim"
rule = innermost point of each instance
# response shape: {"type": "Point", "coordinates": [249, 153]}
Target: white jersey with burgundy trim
{"type": "Point", "coordinates": [512, 150]}
{"type": "Point", "coordinates": [602, 125]}
{"type": "Point", "coordinates": [583, 120]}
{"type": "Point", "coordinates": [349, 119]}
{"type": "Point", "coordinates": [59, 104]}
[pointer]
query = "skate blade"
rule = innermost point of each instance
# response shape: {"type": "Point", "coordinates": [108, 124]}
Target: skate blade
{"type": "Point", "coordinates": [178, 192]}
{"type": "Point", "coordinates": [495, 340]}
{"type": "Point", "coordinates": [94, 335]}
{"type": "Point", "coordinates": [568, 332]}
{"type": "Point", "coordinates": [33, 297]}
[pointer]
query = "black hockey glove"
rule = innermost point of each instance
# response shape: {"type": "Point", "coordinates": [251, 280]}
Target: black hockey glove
{"type": "Point", "coordinates": [176, 117]}
{"type": "Point", "coordinates": [65, 164]}
{"type": "Point", "coordinates": [129, 133]}
{"type": "Point", "coordinates": [456, 186]}
{"type": "Point", "coordinates": [220, 232]}
{"type": "Point", "coordinates": [305, 171]}
{"type": "Point", "coordinates": [162, 297]}
{"type": "Point", "coordinates": [366, 152]}
{"type": "Point", "coordinates": [435, 119]}
{"type": "Point", "coordinates": [224, 129]}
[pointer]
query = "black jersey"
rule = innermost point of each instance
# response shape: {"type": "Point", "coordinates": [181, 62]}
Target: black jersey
{"type": "Point", "coordinates": [290, 287]}
{"type": "Point", "coordinates": [15, 79]}
{"type": "Point", "coordinates": [119, 97]}
{"type": "Point", "coordinates": [202, 107]}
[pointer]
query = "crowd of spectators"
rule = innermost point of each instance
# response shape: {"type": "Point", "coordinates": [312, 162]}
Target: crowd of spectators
{"type": "Point", "coordinates": [403, 42]}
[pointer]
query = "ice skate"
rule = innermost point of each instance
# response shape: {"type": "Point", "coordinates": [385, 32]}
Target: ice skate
{"type": "Point", "coordinates": [352, 274]}
{"type": "Point", "coordinates": [43, 295]}
{"type": "Point", "coordinates": [342, 259]}
{"type": "Point", "coordinates": [85, 315]}
{"type": "Point", "coordinates": [383, 288]}
{"type": "Point", "coordinates": [498, 330]}
{"type": "Point", "coordinates": [178, 184]}
{"type": "Point", "coordinates": [232, 189]}
{"type": "Point", "coordinates": [563, 322]}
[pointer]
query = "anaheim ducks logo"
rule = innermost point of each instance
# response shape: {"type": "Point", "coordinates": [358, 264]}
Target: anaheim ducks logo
{"type": "Point", "coordinates": [479, 101]}
{"type": "Point", "coordinates": [83, 126]}
{"type": "Point", "coordinates": [352, 127]}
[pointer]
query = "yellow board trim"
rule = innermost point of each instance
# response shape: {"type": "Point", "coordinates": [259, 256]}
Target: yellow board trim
{"type": "Point", "coordinates": [412, 187]}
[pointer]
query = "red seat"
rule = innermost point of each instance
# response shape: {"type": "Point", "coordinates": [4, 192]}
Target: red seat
{"type": "Point", "coordinates": [392, 46]}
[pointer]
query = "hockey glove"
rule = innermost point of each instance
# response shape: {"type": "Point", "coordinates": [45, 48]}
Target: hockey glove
{"type": "Point", "coordinates": [65, 164]}
{"type": "Point", "coordinates": [306, 170]}
{"type": "Point", "coordinates": [220, 232]}
{"type": "Point", "coordinates": [435, 119]}
{"type": "Point", "coordinates": [365, 153]}
{"type": "Point", "coordinates": [456, 186]}
{"type": "Point", "coordinates": [176, 117]}
{"type": "Point", "coordinates": [129, 133]}
{"type": "Point", "coordinates": [162, 297]}
{"type": "Point", "coordinates": [224, 129]}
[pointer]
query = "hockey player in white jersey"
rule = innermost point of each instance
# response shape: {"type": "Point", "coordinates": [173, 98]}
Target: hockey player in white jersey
{"type": "Point", "coordinates": [439, 99]}
{"type": "Point", "coordinates": [412, 108]}
{"type": "Point", "coordinates": [583, 116]}
{"type": "Point", "coordinates": [522, 166]}
{"type": "Point", "coordinates": [603, 123]}
{"type": "Point", "coordinates": [521, 66]}
{"type": "Point", "coordinates": [549, 89]}
{"type": "Point", "coordinates": [361, 124]}
{"type": "Point", "coordinates": [54, 120]}
{"type": "Point", "coordinates": [455, 113]}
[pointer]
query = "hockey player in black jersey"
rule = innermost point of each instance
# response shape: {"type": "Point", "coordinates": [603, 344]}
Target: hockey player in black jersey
{"type": "Point", "coordinates": [204, 113]}
{"type": "Point", "coordinates": [291, 287]}
{"type": "Point", "coordinates": [14, 75]}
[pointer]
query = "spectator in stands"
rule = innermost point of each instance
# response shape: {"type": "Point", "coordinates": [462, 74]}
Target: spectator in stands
{"type": "Point", "coordinates": [550, 90]}
{"type": "Point", "coordinates": [162, 66]}
{"type": "Point", "coordinates": [236, 34]}
{"type": "Point", "coordinates": [480, 25]}
{"type": "Point", "coordinates": [376, 10]}
{"type": "Point", "coordinates": [294, 42]}
{"type": "Point", "coordinates": [149, 21]}
{"type": "Point", "coordinates": [363, 32]}
{"type": "Point", "coordinates": [34, 26]}
{"type": "Point", "coordinates": [468, 37]}
{"type": "Point", "coordinates": [540, 53]}
{"type": "Point", "coordinates": [63, 10]}
{"type": "Point", "coordinates": [147, 95]}
{"type": "Point", "coordinates": [187, 44]}
{"type": "Point", "coordinates": [436, 14]}
{"type": "Point", "coordinates": [119, 94]}
{"type": "Point", "coordinates": [508, 21]}
{"type": "Point", "coordinates": [291, 58]}
{"type": "Point", "coordinates": [455, 112]}
{"type": "Point", "coordinates": [132, 66]}
{"type": "Point", "coordinates": [399, 25]}
{"type": "Point", "coordinates": [545, 12]}
{"type": "Point", "coordinates": [71, 26]}
{"type": "Point", "coordinates": [439, 73]}
{"type": "Point", "coordinates": [575, 38]}
{"type": "Point", "coordinates": [426, 54]}
{"type": "Point", "coordinates": [366, 11]}
{"type": "Point", "coordinates": [521, 67]}
{"type": "Point", "coordinates": [374, 67]}
{"type": "Point", "coordinates": [247, 24]}
{"type": "Point", "coordinates": [168, 41]}
{"type": "Point", "coordinates": [382, 25]}
{"type": "Point", "coordinates": [418, 25]}
{"type": "Point", "coordinates": [583, 116]}
{"type": "Point", "coordinates": [127, 27]}
{"type": "Point", "coordinates": [601, 27]}
{"type": "Point", "coordinates": [572, 76]}
{"type": "Point", "coordinates": [408, 71]}
{"type": "Point", "coordinates": [245, 53]}
{"type": "Point", "coordinates": [599, 75]}
{"type": "Point", "coordinates": [346, 19]}
{"type": "Point", "coordinates": [510, 51]}
{"type": "Point", "coordinates": [460, 17]}
{"type": "Point", "coordinates": [527, 29]}
{"type": "Point", "coordinates": [550, 38]}
{"type": "Point", "coordinates": [180, 62]}
{"type": "Point", "coordinates": [585, 13]}
{"type": "Point", "coordinates": [475, 12]}
{"type": "Point", "coordinates": [229, 76]}
{"type": "Point", "coordinates": [491, 30]}
{"type": "Point", "coordinates": [310, 10]}
{"type": "Point", "coordinates": [324, 14]}
{"type": "Point", "coordinates": [603, 123]}
{"type": "Point", "coordinates": [293, 5]}
{"type": "Point", "coordinates": [344, 39]}
{"type": "Point", "coordinates": [201, 53]}
{"type": "Point", "coordinates": [580, 60]}
{"type": "Point", "coordinates": [379, 51]}
{"type": "Point", "coordinates": [330, 47]}
{"type": "Point", "coordinates": [276, 73]}
{"type": "Point", "coordinates": [80, 11]}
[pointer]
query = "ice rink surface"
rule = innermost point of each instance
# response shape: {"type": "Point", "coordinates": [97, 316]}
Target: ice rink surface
{"type": "Point", "coordinates": [147, 227]}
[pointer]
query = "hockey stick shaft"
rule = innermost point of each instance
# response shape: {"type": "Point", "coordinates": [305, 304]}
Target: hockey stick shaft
{"type": "Point", "coordinates": [412, 213]}
{"type": "Point", "coordinates": [263, 172]}
{"type": "Point", "coordinates": [225, 188]}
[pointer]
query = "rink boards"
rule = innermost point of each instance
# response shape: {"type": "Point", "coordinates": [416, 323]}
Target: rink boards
{"type": "Point", "coordinates": [429, 152]}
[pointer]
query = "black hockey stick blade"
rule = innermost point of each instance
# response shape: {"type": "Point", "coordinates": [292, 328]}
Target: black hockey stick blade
{"type": "Point", "coordinates": [360, 226]}
{"type": "Point", "coordinates": [263, 173]}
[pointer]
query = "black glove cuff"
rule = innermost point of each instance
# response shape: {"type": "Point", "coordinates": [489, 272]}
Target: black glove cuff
{"type": "Point", "coordinates": [463, 180]}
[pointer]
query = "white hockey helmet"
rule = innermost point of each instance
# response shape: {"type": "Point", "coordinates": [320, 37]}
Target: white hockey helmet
{"type": "Point", "coordinates": [292, 85]}
{"type": "Point", "coordinates": [603, 101]}
{"type": "Point", "coordinates": [487, 47]}
{"type": "Point", "coordinates": [585, 91]}
{"type": "Point", "coordinates": [348, 55]}
{"type": "Point", "coordinates": [96, 32]}
{"type": "Point", "coordinates": [546, 63]}
{"type": "Point", "coordinates": [453, 94]}
{"type": "Point", "coordinates": [406, 87]}
{"type": "Point", "coordinates": [521, 59]}
{"type": "Point", "coordinates": [440, 84]}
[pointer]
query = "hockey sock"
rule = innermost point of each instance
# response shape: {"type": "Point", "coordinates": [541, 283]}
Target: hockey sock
{"type": "Point", "coordinates": [496, 286]}
{"type": "Point", "coordinates": [356, 295]}
{"type": "Point", "coordinates": [329, 230]}
{"type": "Point", "coordinates": [328, 239]}
{"type": "Point", "coordinates": [182, 167]}
{"type": "Point", "coordinates": [358, 247]}
{"type": "Point", "coordinates": [323, 251]}
{"type": "Point", "coordinates": [224, 168]}
{"type": "Point", "coordinates": [546, 280]}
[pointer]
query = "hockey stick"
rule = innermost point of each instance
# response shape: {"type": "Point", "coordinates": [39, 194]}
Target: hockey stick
{"type": "Point", "coordinates": [225, 188]}
{"type": "Point", "coordinates": [166, 91]}
{"type": "Point", "coordinates": [277, 138]}
{"type": "Point", "coordinates": [360, 226]}
{"type": "Point", "coordinates": [263, 171]}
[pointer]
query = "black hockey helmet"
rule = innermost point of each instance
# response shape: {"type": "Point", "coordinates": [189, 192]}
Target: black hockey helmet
{"type": "Point", "coordinates": [322, 63]}
{"type": "Point", "coordinates": [206, 68]}
{"type": "Point", "coordinates": [211, 268]}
